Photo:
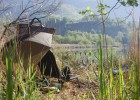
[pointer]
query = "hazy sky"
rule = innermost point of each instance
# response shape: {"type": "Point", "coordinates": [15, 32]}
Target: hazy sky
{"type": "Point", "coordinates": [119, 10]}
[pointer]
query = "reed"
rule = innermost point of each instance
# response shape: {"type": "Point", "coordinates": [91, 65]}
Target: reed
{"type": "Point", "coordinates": [124, 86]}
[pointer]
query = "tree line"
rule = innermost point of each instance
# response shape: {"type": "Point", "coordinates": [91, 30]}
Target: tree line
{"type": "Point", "coordinates": [67, 29]}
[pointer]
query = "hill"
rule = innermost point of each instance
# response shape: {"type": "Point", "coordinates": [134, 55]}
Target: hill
{"type": "Point", "coordinates": [92, 26]}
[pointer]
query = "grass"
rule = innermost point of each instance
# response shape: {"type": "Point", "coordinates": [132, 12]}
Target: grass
{"type": "Point", "coordinates": [96, 78]}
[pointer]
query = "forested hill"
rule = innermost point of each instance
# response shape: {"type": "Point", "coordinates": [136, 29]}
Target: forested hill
{"type": "Point", "coordinates": [114, 28]}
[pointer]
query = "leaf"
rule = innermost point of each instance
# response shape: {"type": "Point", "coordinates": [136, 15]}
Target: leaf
{"type": "Point", "coordinates": [99, 6]}
{"type": "Point", "coordinates": [104, 12]}
{"type": "Point", "coordinates": [123, 3]}
{"type": "Point", "coordinates": [132, 3]}
{"type": "Point", "coordinates": [82, 12]}
{"type": "Point", "coordinates": [136, 4]}
{"type": "Point", "coordinates": [92, 13]}
{"type": "Point", "coordinates": [88, 8]}
{"type": "Point", "coordinates": [99, 10]}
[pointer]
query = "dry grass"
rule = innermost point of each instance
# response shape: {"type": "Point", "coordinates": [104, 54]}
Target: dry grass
{"type": "Point", "coordinates": [70, 91]}
{"type": "Point", "coordinates": [120, 87]}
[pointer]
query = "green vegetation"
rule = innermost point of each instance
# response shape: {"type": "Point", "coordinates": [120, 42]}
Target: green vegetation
{"type": "Point", "coordinates": [97, 79]}
{"type": "Point", "coordinates": [108, 87]}
{"type": "Point", "coordinates": [67, 30]}
{"type": "Point", "coordinates": [77, 37]}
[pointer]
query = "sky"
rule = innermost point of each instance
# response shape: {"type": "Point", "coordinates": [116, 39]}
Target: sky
{"type": "Point", "coordinates": [119, 11]}
{"type": "Point", "coordinates": [79, 5]}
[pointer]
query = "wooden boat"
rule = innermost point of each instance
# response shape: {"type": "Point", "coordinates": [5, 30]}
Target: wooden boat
{"type": "Point", "coordinates": [32, 41]}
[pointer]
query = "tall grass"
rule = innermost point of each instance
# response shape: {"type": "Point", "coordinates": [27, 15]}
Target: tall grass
{"type": "Point", "coordinates": [111, 85]}
{"type": "Point", "coordinates": [124, 86]}
{"type": "Point", "coordinates": [9, 91]}
{"type": "Point", "coordinates": [9, 57]}
{"type": "Point", "coordinates": [101, 71]}
{"type": "Point", "coordinates": [21, 83]}
{"type": "Point", "coordinates": [137, 82]}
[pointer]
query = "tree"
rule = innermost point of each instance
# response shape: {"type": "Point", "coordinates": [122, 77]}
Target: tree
{"type": "Point", "coordinates": [22, 10]}
{"type": "Point", "coordinates": [101, 8]}
{"type": "Point", "coordinates": [120, 37]}
{"type": "Point", "coordinates": [3, 8]}
{"type": "Point", "coordinates": [101, 11]}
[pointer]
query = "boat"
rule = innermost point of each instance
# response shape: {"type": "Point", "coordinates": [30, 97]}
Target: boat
{"type": "Point", "coordinates": [31, 39]}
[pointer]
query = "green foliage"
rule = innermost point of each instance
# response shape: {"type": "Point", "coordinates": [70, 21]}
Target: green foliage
{"type": "Point", "coordinates": [86, 11]}
{"type": "Point", "coordinates": [92, 13]}
{"type": "Point", "coordinates": [78, 37]}
{"type": "Point", "coordinates": [101, 8]}
{"type": "Point", "coordinates": [89, 25]}
{"type": "Point", "coordinates": [123, 3]}
{"type": "Point", "coordinates": [121, 87]}
{"type": "Point", "coordinates": [82, 12]}
{"type": "Point", "coordinates": [24, 85]}
{"type": "Point", "coordinates": [129, 2]}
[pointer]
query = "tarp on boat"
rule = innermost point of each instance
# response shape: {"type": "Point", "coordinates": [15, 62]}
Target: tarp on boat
{"type": "Point", "coordinates": [41, 38]}
{"type": "Point", "coordinates": [32, 40]}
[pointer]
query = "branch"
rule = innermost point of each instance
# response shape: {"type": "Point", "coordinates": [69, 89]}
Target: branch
{"type": "Point", "coordinates": [30, 8]}
{"type": "Point", "coordinates": [25, 9]}
{"type": "Point", "coordinates": [51, 10]}
{"type": "Point", "coordinates": [106, 14]}
{"type": "Point", "coordinates": [3, 8]}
